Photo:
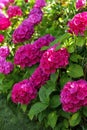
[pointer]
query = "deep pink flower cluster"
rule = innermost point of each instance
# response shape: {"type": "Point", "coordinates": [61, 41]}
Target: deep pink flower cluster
{"type": "Point", "coordinates": [52, 59]}
{"type": "Point", "coordinates": [4, 51]}
{"type": "Point", "coordinates": [31, 54]}
{"type": "Point", "coordinates": [78, 24]}
{"type": "Point", "coordinates": [74, 95]}
{"type": "Point", "coordinates": [40, 3]}
{"type": "Point", "coordinates": [39, 78]}
{"type": "Point", "coordinates": [5, 67]}
{"type": "Point", "coordinates": [80, 4]}
{"type": "Point", "coordinates": [23, 92]}
{"type": "Point", "coordinates": [23, 32]}
{"type": "Point", "coordinates": [4, 23]}
{"type": "Point", "coordinates": [35, 16]}
{"type": "Point", "coordinates": [1, 38]}
{"type": "Point", "coordinates": [14, 11]}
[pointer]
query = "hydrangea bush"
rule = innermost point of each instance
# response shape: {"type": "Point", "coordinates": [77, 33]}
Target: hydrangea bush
{"type": "Point", "coordinates": [43, 61]}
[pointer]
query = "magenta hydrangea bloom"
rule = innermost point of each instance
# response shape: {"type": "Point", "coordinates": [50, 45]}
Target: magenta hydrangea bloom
{"type": "Point", "coordinates": [40, 3]}
{"type": "Point", "coordinates": [38, 78]}
{"type": "Point", "coordinates": [23, 92]}
{"type": "Point", "coordinates": [35, 16]}
{"type": "Point", "coordinates": [78, 24]}
{"type": "Point", "coordinates": [31, 54]}
{"type": "Point", "coordinates": [52, 59]}
{"type": "Point", "coordinates": [23, 32]}
{"type": "Point", "coordinates": [5, 67]}
{"type": "Point", "coordinates": [73, 96]}
{"type": "Point", "coordinates": [80, 4]}
{"type": "Point", "coordinates": [4, 51]}
{"type": "Point", "coordinates": [1, 38]}
{"type": "Point", "coordinates": [14, 11]}
{"type": "Point", "coordinates": [4, 23]}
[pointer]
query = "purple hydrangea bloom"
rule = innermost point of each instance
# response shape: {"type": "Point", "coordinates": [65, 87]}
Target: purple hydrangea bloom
{"type": "Point", "coordinates": [40, 3]}
{"type": "Point", "coordinates": [4, 51]}
{"type": "Point", "coordinates": [23, 32]}
{"type": "Point", "coordinates": [5, 67]}
{"type": "Point", "coordinates": [35, 16]}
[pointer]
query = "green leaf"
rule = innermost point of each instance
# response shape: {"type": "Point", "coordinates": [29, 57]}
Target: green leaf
{"type": "Point", "coordinates": [75, 71]}
{"type": "Point", "coordinates": [44, 48]}
{"type": "Point", "coordinates": [43, 96]}
{"type": "Point", "coordinates": [66, 123]}
{"type": "Point", "coordinates": [1, 78]}
{"type": "Point", "coordinates": [75, 119]}
{"type": "Point", "coordinates": [64, 114]}
{"type": "Point", "coordinates": [71, 49]}
{"type": "Point", "coordinates": [54, 76]}
{"type": "Point", "coordinates": [23, 107]}
{"type": "Point", "coordinates": [75, 57]}
{"type": "Point", "coordinates": [55, 101]}
{"type": "Point", "coordinates": [64, 79]}
{"type": "Point", "coordinates": [36, 108]}
{"type": "Point", "coordinates": [52, 119]}
{"type": "Point", "coordinates": [60, 39]}
{"type": "Point", "coordinates": [80, 41]}
{"type": "Point", "coordinates": [85, 111]}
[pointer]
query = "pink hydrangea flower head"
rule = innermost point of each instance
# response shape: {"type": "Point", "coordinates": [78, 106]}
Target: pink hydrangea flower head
{"type": "Point", "coordinates": [78, 24]}
{"type": "Point", "coordinates": [52, 59]}
{"type": "Point", "coordinates": [5, 67]}
{"type": "Point", "coordinates": [23, 32]}
{"type": "Point", "coordinates": [39, 78]}
{"type": "Point", "coordinates": [74, 95]}
{"type": "Point", "coordinates": [4, 51]}
{"type": "Point", "coordinates": [14, 11]}
{"type": "Point", "coordinates": [40, 3]}
{"type": "Point", "coordinates": [80, 4]}
{"type": "Point", "coordinates": [35, 16]}
{"type": "Point", "coordinates": [4, 23]}
{"type": "Point", "coordinates": [1, 38]}
{"type": "Point", "coordinates": [23, 92]}
{"type": "Point", "coordinates": [30, 54]}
